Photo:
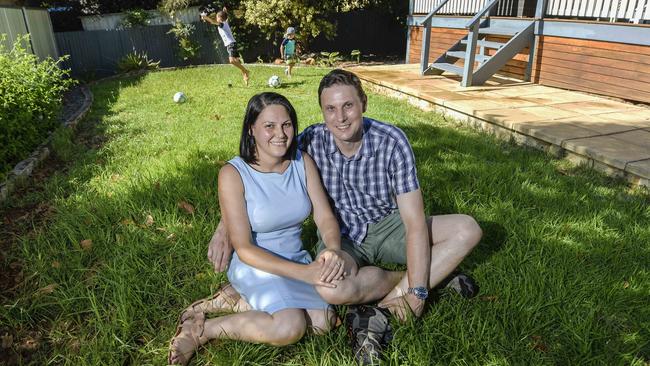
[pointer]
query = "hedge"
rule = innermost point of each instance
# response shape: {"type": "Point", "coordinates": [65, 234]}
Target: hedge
{"type": "Point", "coordinates": [31, 93]}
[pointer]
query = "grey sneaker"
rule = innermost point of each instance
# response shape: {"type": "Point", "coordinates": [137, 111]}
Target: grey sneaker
{"type": "Point", "coordinates": [369, 331]}
{"type": "Point", "coordinates": [462, 284]}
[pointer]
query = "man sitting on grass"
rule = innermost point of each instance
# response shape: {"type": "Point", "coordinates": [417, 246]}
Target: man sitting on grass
{"type": "Point", "coordinates": [368, 170]}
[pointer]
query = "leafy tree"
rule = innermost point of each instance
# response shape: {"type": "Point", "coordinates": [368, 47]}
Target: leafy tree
{"type": "Point", "coordinates": [274, 16]}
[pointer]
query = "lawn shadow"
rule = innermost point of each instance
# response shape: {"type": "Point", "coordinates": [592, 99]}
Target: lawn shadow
{"type": "Point", "coordinates": [291, 84]}
{"type": "Point", "coordinates": [541, 229]}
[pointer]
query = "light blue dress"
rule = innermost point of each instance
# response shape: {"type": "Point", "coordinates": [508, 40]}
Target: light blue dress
{"type": "Point", "coordinates": [277, 204]}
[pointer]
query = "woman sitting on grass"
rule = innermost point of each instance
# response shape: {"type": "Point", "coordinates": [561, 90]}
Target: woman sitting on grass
{"type": "Point", "coordinates": [265, 194]}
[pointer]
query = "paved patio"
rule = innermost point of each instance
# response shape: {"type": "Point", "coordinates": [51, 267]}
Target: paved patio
{"type": "Point", "coordinates": [609, 135]}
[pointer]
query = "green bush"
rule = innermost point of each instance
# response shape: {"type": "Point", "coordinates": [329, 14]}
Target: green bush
{"type": "Point", "coordinates": [136, 61]}
{"type": "Point", "coordinates": [30, 100]}
{"type": "Point", "coordinates": [188, 49]}
{"type": "Point", "coordinates": [135, 18]}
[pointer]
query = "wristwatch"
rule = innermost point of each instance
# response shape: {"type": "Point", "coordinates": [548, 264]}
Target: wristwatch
{"type": "Point", "coordinates": [420, 292]}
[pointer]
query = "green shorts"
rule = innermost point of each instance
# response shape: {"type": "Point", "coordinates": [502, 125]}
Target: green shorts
{"type": "Point", "coordinates": [385, 243]}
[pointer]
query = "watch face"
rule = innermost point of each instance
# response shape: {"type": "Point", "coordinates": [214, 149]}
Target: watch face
{"type": "Point", "coordinates": [420, 292]}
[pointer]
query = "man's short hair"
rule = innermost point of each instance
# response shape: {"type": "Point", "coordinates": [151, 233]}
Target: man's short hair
{"type": "Point", "coordinates": [342, 77]}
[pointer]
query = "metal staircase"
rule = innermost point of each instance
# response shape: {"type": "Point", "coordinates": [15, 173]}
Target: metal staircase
{"type": "Point", "coordinates": [479, 29]}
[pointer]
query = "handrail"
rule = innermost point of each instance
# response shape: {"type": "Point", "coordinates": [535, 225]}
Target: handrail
{"type": "Point", "coordinates": [434, 11]}
{"type": "Point", "coordinates": [480, 14]}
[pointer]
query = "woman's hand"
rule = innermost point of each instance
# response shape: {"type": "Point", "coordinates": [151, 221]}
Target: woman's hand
{"type": "Point", "coordinates": [332, 265]}
{"type": "Point", "coordinates": [314, 278]}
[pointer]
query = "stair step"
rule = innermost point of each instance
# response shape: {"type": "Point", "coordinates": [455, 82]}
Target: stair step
{"type": "Point", "coordinates": [499, 31]}
{"type": "Point", "coordinates": [462, 54]}
{"type": "Point", "coordinates": [488, 44]}
{"type": "Point", "coordinates": [448, 67]}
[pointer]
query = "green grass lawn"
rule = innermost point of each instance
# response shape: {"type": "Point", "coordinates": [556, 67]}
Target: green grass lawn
{"type": "Point", "coordinates": [564, 265]}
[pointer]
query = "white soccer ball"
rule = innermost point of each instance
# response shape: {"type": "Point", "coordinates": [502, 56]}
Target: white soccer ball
{"type": "Point", "coordinates": [180, 97]}
{"type": "Point", "coordinates": [274, 81]}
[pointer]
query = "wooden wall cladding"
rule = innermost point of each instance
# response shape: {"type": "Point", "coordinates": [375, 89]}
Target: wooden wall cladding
{"type": "Point", "coordinates": [607, 68]}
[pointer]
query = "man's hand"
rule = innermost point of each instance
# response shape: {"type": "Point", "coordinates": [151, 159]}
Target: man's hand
{"type": "Point", "coordinates": [401, 306]}
{"type": "Point", "coordinates": [220, 249]}
{"type": "Point", "coordinates": [332, 265]}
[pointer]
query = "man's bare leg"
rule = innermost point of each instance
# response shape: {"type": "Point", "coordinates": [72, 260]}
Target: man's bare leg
{"type": "Point", "coordinates": [453, 237]}
{"type": "Point", "coordinates": [360, 285]}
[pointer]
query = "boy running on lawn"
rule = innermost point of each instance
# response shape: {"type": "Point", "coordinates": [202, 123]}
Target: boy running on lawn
{"type": "Point", "coordinates": [221, 21]}
{"type": "Point", "coordinates": [288, 49]}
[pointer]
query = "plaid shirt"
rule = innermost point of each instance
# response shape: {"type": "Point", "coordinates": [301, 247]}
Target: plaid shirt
{"type": "Point", "coordinates": [362, 189]}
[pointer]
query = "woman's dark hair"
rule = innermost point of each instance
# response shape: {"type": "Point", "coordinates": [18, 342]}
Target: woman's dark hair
{"type": "Point", "coordinates": [255, 106]}
{"type": "Point", "coordinates": [342, 77]}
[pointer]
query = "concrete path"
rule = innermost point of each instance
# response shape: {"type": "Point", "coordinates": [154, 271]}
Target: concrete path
{"type": "Point", "coordinates": [609, 135]}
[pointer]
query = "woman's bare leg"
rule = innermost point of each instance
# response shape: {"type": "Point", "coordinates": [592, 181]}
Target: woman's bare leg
{"type": "Point", "coordinates": [281, 328]}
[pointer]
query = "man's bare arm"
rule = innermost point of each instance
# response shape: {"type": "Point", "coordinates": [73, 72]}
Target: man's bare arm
{"type": "Point", "coordinates": [219, 248]}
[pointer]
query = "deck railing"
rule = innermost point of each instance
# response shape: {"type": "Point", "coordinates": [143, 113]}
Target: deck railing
{"type": "Point", "coordinates": [633, 11]}
{"type": "Point", "coordinates": [464, 7]}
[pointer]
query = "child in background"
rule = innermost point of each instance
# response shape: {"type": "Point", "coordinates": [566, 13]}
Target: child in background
{"type": "Point", "coordinates": [221, 21]}
{"type": "Point", "coordinates": [288, 49]}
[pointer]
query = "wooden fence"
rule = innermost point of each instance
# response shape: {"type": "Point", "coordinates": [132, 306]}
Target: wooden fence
{"type": "Point", "coordinates": [15, 22]}
{"type": "Point", "coordinates": [96, 53]}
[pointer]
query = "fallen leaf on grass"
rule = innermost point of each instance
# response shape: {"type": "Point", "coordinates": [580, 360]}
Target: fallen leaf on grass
{"type": "Point", "coordinates": [7, 340]}
{"type": "Point", "coordinates": [115, 177]}
{"type": "Point", "coordinates": [149, 220]}
{"type": "Point", "coordinates": [45, 290]}
{"type": "Point", "coordinates": [186, 206]}
{"type": "Point", "coordinates": [626, 284]}
{"type": "Point", "coordinates": [30, 343]}
{"type": "Point", "coordinates": [171, 236]}
{"type": "Point", "coordinates": [156, 186]}
{"type": "Point", "coordinates": [86, 244]}
{"type": "Point", "coordinates": [56, 264]}
{"type": "Point", "coordinates": [127, 222]}
{"type": "Point", "coordinates": [539, 345]}
{"type": "Point", "coordinates": [161, 229]}
{"type": "Point", "coordinates": [216, 117]}
{"type": "Point", "coordinates": [74, 345]}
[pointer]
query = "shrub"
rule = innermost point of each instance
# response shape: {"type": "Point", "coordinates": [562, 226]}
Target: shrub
{"type": "Point", "coordinates": [135, 18]}
{"type": "Point", "coordinates": [329, 59]}
{"type": "Point", "coordinates": [356, 54]}
{"type": "Point", "coordinates": [188, 49]}
{"type": "Point", "coordinates": [136, 61]}
{"type": "Point", "coordinates": [30, 100]}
